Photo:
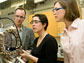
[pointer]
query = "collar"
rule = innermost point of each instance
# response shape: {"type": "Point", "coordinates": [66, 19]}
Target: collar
{"type": "Point", "coordinates": [21, 28]}
{"type": "Point", "coordinates": [74, 25]}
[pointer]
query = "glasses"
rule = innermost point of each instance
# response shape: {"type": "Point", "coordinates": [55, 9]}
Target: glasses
{"type": "Point", "coordinates": [56, 9]}
{"type": "Point", "coordinates": [35, 21]}
{"type": "Point", "coordinates": [19, 16]}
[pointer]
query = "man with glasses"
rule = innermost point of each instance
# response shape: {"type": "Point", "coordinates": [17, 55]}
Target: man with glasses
{"type": "Point", "coordinates": [26, 34]}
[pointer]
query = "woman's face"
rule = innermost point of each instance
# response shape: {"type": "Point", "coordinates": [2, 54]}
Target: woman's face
{"type": "Point", "coordinates": [37, 24]}
{"type": "Point", "coordinates": [59, 12]}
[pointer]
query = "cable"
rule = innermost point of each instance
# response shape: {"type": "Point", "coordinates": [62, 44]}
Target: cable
{"type": "Point", "coordinates": [13, 48]}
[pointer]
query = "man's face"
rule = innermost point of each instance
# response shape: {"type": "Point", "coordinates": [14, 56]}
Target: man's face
{"type": "Point", "coordinates": [19, 17]}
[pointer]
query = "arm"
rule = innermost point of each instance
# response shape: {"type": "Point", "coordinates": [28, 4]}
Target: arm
{"type": "Point", "coordinates": [28, 55]}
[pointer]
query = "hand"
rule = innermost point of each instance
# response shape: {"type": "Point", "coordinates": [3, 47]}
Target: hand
{"type": "Point", "coordinates": [29, 51]}
{"type": "Point", "coordinates": [19, 52]}
{"type": "Point", "coordinates": [24, 59]}
{"type": "Point", "coordinates": [25, 53]}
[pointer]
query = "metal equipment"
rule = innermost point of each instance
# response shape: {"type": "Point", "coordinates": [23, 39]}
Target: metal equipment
{"type": "Point", "coordinates": [10, 42]}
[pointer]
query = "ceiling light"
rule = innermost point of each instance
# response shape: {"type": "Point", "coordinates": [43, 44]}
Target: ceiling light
{"type": "Point", "coordinates": [2, 1]}
{"type": "Point", "coordinates": [19, 3]}
{"type": "Point", "coordinates": [38, 1]}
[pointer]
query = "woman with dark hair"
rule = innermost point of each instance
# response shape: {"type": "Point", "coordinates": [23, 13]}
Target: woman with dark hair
{"type": "Point", "coordinates": [72, 38]}
{"type": "Point", "coordinates": [45, 46]}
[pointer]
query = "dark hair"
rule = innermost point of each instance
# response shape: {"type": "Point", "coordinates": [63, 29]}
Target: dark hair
{"type": "Point", "coordinates": [20, 8]}
{"type": "Point", "coordinates": [43, 19]}
{"type": "Point", "coordinates": [71, 8]}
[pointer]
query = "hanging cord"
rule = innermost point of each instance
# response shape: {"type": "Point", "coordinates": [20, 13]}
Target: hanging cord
{"type": "Point", "coordinates": [17, 32]}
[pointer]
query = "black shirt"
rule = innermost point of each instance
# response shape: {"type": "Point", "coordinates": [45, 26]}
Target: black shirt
{"type": "Point", "coordinates": [46, 51]}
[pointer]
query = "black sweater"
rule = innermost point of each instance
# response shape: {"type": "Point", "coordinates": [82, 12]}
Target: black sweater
{"type": "Point", "coordinates": [46, 51]}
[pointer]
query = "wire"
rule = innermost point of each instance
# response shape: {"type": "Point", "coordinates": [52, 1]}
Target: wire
{"type": "Point", "coordinates": [16, 29]}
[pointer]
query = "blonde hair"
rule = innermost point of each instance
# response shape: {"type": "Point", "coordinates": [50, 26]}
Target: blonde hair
{"type": "Point", "coordinates": [71, 8]}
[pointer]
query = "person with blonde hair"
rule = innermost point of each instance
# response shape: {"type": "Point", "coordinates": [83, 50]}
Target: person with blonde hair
{"type": "Point", "coordinates": [72, 38]}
